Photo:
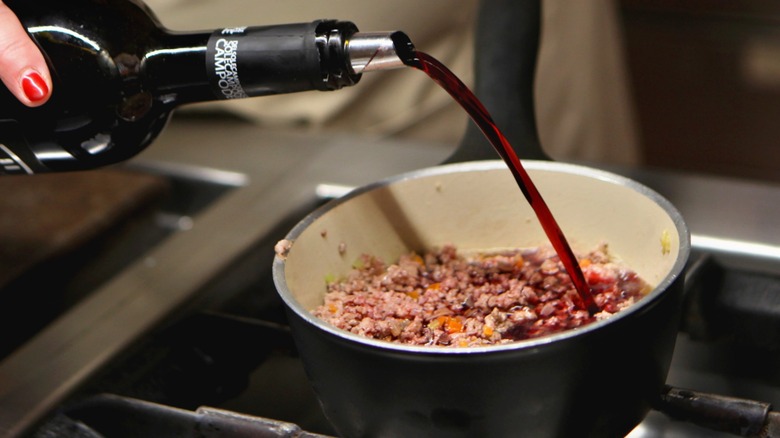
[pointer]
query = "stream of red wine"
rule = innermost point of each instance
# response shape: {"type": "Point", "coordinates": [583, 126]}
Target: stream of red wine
{"type": "Point", "coordinates": [460, 92]}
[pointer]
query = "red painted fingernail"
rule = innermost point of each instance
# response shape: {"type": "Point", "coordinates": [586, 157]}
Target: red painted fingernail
{"type": "Point", "coordinates": [34, 87]}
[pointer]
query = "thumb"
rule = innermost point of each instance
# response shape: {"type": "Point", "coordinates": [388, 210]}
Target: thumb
{"type": "Point", "coordinates": [22, 67]}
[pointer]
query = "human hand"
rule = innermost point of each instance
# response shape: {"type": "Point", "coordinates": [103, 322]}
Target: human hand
{"type": "Point", "coordinates": [22, 67]}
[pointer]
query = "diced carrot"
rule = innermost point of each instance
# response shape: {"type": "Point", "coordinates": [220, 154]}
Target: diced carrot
{"type": "Point", "coordinates": [487, 330]}
{"type": "Point", "coordinates": [450, 324]}
{"type": "Point", "coordinates": [584, 263]}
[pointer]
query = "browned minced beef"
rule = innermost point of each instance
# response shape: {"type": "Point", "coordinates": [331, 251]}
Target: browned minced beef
{"type": "Point", "coordinates": [446, 299]}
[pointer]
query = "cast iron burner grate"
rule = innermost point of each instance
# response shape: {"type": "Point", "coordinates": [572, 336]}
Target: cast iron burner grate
{"type": "Point", "coordinates": [115, 416]}
{"type": "Point", "coordinates": [163, 387]}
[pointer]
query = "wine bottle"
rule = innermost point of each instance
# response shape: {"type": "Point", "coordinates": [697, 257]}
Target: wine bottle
{"type": "Point", "coordinates": [118, 74]}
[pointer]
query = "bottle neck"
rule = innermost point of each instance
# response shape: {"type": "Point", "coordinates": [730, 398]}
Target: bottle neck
{"type": "Point", "coordinates": [254, 61]}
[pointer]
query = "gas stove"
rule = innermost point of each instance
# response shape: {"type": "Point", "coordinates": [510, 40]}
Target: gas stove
{"type": "Point", "coordinates": [188, 338]}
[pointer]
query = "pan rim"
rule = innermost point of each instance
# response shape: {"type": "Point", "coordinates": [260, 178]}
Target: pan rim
{"type": "Point", "coordinates": [658, 292]}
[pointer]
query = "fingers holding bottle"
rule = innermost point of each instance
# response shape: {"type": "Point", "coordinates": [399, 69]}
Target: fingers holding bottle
{"type": "Point", "coordinates": [23, 69]}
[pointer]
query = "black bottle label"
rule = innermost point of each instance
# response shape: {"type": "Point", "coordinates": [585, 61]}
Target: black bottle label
{"type": "Point", "coordinates": [222, 63]}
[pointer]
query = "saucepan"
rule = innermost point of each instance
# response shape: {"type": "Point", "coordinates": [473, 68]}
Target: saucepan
{"type": "Point", "coordinates": [597, 380]}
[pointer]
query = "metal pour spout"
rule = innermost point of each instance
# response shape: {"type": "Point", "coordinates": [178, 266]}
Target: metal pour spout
{"type": "Point", "coordinates": [371, 51]}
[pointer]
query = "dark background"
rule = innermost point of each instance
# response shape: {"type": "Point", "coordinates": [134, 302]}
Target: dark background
{"type": "Point", "coordinates": [706, 81]}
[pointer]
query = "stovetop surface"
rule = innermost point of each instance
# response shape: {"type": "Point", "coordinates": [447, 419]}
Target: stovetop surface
{"type": "Point", "coordinates": [264, 181]}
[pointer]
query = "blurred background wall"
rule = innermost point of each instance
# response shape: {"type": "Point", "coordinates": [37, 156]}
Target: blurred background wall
{"type": "Point", "coordinates": [705, 78]}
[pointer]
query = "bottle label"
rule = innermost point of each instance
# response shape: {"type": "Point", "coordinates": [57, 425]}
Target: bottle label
{"type": "Point", "coordinates": [222, 63]}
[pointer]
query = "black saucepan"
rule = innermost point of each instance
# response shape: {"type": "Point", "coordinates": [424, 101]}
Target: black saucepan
{"type": "Point", "coordinates": [599, 380]}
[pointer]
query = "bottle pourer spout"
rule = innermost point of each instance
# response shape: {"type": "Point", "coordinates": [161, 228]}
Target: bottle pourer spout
{"type": "Point", "coordinates": [372, 51]}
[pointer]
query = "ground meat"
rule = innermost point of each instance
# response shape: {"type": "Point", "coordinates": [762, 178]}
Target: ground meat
{"type": "Point", "coordinates": [282, 248]}
{"type": "Point", "coordinates": [445, 299]}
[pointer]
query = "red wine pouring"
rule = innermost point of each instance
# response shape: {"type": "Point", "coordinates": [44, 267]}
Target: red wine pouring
{"type": "Point", "coordinates": [479, 114]}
